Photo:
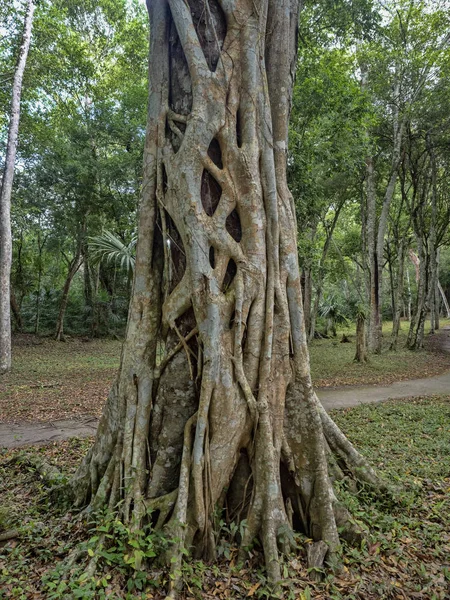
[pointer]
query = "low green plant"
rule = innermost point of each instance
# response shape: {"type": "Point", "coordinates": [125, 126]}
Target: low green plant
{"type": "Point", "coordinates": [116, 554]}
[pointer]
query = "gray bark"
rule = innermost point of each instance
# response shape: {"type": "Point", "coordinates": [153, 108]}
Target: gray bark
{"type": "Point", "coordinates": [397, 294]}
{"type": "Point", "coordinates": [444, 299]}
{"type": "Point", "coordinates": [432, 243]}
{"type": "Point", "coordinates": [361, 349]}
{"type": "Point", "coordinates": [74, 265]}
{"type": "Point", "coordinates": [5, 197]}
{"type": "Point", "coordinates": [376, 232]}
{"type": "Point", "coordinates": [232, 394]}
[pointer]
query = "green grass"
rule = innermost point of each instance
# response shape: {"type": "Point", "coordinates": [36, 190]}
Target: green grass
{"type": "Point", "coordinates": [46, 358]}
{"type": "Point", "coordinates": [405, 553]}
{"type": "Point", "coordinates": [55, 380]}
{"type": "Point", "coordinates": [332, 362]}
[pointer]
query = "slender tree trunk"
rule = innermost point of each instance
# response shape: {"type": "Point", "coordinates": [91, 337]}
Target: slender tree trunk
{"type": "Point", "coordinates": [397, 283]}
{"type": "Point", "coordinates": [444, 299]}
{"type": "Point", "coordinates": [416, 330]}
{"type": "Point", "coordinates": [5, 197]}
{"type": "Point", "coordinates": [372, 271]}
{"type": "Point", "coordinates": [74, 265]}
{"type": "Point", "coordinates": [38, 292]}
{"type": "Point", "coordinates": [409, 296]}
{"type": "Point", "coordinates": [376, 243]}
{"type": "Point", "coordinates": [315, 311]}
{"type": "Point", "coordinates": [432, 238]}
{"type": "Point", "coordinates": [232, 396]}
{"type": "Point", "coordinates": [437, 296]}
{"type": "Point", "coordinates": [307, 299]}
{"type": "Point", "coordinates": [321, 272]}
{"type": "Point", "coordinates": [16, 312]}
{"type": "Point", "coordinates": [361, 350]}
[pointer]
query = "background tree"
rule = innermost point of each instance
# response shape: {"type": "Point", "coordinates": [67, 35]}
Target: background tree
{"type": "Point", "coordinates": [5, 195]}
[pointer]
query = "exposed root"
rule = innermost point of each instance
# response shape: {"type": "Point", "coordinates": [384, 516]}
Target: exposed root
{"type": "Point", "coordinates": [166, 360]}
{"type": "Point", "coordinates": [178, 523]}
{"type": "Point", "coordinates": [164, 506]}
{"type": "Point", "coordinates": [9, 535]}
{"type": "Point", "coordinates": [347, 453]}
{"type": "Point", "coordinates": [50, 475]}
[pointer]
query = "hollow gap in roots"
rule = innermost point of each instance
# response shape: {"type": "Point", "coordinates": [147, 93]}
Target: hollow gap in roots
{"type": "Point", "coordinates": [233, 225]}
{"type": "Point", "coordinates": [215, 153]}
{"type": "Point", "coordinates": [239, 128]}
{"type": "Point", "coordinates": [154, 517]}
{"type": "Point", "coordinates": [212, 257]}
{"type": "Point", "coordinates": [229, 275]}
{"type": "Point", "coordinates": [232, 319]}
{"type": "Point", "coordinates": [291, 492]}
{"type": "Point", "coordinates": [177, 257]}
{"type": "Point", "coordinates": [180, 85]}
{"type": "Point", "coordinates": [210, 193]}
{"type": "Point", "coordinates": [164, 179]}
{"type": "Point", "coordinates": [240, 490]}
{"type": "Point", "coordinates": [210, 24]}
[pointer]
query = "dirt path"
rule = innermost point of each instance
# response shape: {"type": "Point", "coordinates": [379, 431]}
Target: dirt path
{"type": "Point", "coordinates": [25, 434]}
{"type": "Point", "coordinates": [31, 434]}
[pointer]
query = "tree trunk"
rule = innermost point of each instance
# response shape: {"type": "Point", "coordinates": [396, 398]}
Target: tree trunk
{"type": "Point", "coordinates": [432, 238]}
{"type": "Point", "coordinates": [444, 299]}
{"type": "Point", "coordinates": [233, 393]}
{"type": "Point", "coordinates": [409, 297]}
{"type": "Point", "coordinates": [5, 197]}
{"type": "Point", "coordinates": [377, 233]}
{"type": "Point", "coordinates": [16, 311]}
{"type": "Point", "coordinates": [307, 299]}
{"type": "Point", "coordinates": [397, 283]}
{"type": "Point", "coordinates": [416, 329]}
{"type": "Point", "coordinates": [372, 271]}
{"type": "Point", "coordinates": [361, 350]}
{"type": "Point", "coordinates": [41, 245]}
{"type": "Point", "coordinates": [74, 265]}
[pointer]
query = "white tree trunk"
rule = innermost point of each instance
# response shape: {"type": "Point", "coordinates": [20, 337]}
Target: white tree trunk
{"type": "Point", "coordinates": [5, 197]}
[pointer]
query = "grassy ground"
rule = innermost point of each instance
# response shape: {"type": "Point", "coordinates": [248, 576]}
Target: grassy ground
{"type": "Point", "coordinates": [332, 362]}
{"type": "Point", "coordinates": [405, 553]}
{"type": "Point", "coordinates": [54, 380]}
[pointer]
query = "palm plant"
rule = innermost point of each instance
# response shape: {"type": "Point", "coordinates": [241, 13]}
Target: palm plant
{"type": "Point", "coordinates": [333, 312]}
{"type": "Point", "coordinates": [110, 248]}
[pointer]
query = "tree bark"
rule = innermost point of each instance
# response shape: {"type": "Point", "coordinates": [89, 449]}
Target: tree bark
{"type": "Point", "coordinates": [444, 299]}
{"type": "Point", "coordinates": [372, 271]}
{"type": "Point", "coordinates": [377, 231]}
{"type": "Point", "coordinates": [5, 197]}
{"type": "Point", "coordinates": [307, 299]}
{"type": "Point", "coordinates": [40, 245]}
{"type": "Point", "coordinates": [16, 311]}
{"type": "Point", "coordinates": [311, 330]}
{"type": "Point", "coordinates": [397, 293]}
{"type": "Point", "coordinates": [432, 240]}
{"type": "Point", "coordinates": [232, 394]}
{"type": "Point", "coordinates": [74, 265]}
{"type": "Point", "coordinates": [361, 349]}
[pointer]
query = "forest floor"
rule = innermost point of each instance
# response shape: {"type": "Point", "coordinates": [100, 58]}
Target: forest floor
{"type": "Point", "coordinates": [57, 380]}
{"type": "Point", "coordinates": [332, 363]}
{"type": "Point", "coordinates": [57, 390]}
{"type": "Point", "coordinates": [406, 550]}
{"type": "Point", "coordinates": [405, 553]}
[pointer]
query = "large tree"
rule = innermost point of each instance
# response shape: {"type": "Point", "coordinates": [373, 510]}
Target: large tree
{"type": "Point", "coordinates": [227, 415]}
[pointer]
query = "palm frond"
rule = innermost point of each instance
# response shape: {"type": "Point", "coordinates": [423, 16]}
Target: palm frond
{"type": "Point", "coordinates": [110, 248]}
